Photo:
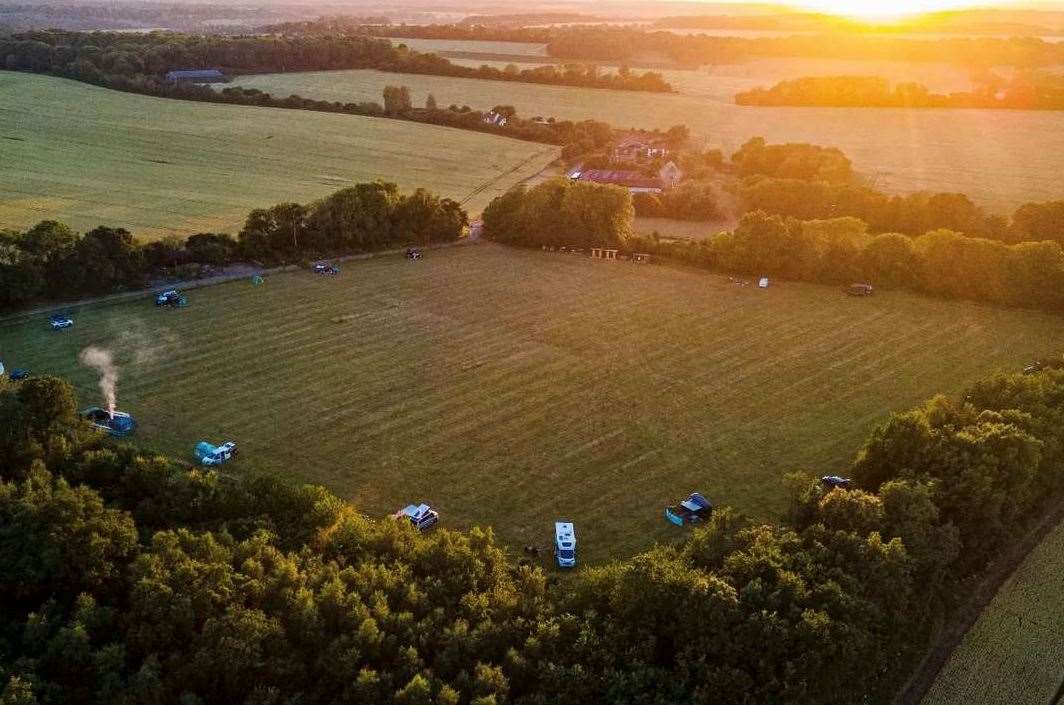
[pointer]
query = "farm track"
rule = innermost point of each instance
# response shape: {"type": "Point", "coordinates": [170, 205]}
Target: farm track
{"type": "Point", "coordinates": [513, 387]}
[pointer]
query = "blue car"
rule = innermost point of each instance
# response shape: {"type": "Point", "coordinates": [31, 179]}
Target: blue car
{"type": "Point", "coordinates": [60, 321]}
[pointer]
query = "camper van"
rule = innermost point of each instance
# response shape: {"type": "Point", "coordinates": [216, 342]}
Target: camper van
{"type": "Point", "coordinates": [564, 544]}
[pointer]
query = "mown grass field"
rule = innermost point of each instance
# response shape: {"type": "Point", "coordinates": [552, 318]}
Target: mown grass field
{"type": "Point", "coordinates": [682, 229]}
{"type": "Point", "coordinates": [91, 156]}
{"type": "Point", "coordinates": [473, 46]}
{"type": "Point", "coordinates": [1015, 651]}
{"type": "Point", "coordinates": [1000, 158]}
{"type": "Point", "coordinates": [511, 388]}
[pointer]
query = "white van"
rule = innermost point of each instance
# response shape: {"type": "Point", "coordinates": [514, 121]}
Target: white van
{"type": "Point", "coordinates": [564, 544]}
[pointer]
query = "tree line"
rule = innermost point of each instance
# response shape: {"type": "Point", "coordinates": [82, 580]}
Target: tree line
{"type": "Point", "coordinates": [940, 262]}
{"type": "Point", "coordinates": [808, 182]}
{"type": "Point", "coordinates": [573, 137]}
{"type": "Point", "coordinates": [138, 68]}
{"type": "Point", "coordinates": [1033, 91]}
{"type": "Point", "coordinates": [130, 577]}
{"type": "Point", "coordinates": [51, 261]}
{"type": "Point", "coordinates": [147, 57]}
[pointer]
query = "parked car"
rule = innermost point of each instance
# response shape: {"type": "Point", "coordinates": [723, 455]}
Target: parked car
{"type": "Point", "coordinates": [326, 268]}
{"type": "Point", "coordinates": [60, 321]}
{"type": "Point", "coordinates": [171, 297]}
{"type": "Point", "coordinates": [209, 454]}
{"type": "Point", "coordinates": [692, 510]}
{"type": "Point", "coordinates": [421, 516]}
{"type": "Point", "coordinates": [833, 481]}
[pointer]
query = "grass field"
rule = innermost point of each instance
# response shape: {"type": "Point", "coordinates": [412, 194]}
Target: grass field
{"type": "Point", "coordinates": [90, 156]}
{"type": "Point", "coordinates": [513, 387]}
{"type": "Point", "coordinates": [682, 229]}
{"type": "Point", "coordinates": [1000, 158]}
{"type": "Point", "coordinates": [474, 46]}
{"type": "Point", "coordinates": [1015, 652]}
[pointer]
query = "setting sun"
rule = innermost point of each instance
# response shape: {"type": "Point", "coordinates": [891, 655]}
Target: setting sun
{"type": "Point", "coordinates": [880, 10]}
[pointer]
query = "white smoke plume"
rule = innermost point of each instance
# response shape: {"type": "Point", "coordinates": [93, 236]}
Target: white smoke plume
{"type": "Point", "coordinates": [103, 362]}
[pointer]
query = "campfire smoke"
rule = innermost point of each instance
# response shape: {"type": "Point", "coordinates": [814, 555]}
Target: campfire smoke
{"type": "Point", "coordinates": [103, 362]}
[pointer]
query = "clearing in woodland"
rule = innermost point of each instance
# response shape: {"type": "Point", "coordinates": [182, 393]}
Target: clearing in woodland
{"type": "Point", "coordinates": [511, 388]}
{"type": "Point", "coordinates": [91, 156]}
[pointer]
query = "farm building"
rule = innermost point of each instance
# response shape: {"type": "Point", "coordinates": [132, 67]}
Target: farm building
{"type": "Point", "coordinates": [196, 76]}
{"type": "Point", "coordinates": [632, 180]}
{"type": "Point", "coordinates": [640, 148]}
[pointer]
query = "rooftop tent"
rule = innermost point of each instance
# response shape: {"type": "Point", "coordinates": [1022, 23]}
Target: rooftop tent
{"type": "Point", "coordinates": [695, 502]}
{"type": "Point", "coordinates": [204, 449]}
{"type": "Point", "coordinates": [416, 511]}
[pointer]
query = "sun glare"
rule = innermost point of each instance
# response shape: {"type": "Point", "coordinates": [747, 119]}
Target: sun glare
{"type": "Point", "coordinates": [881, 10]}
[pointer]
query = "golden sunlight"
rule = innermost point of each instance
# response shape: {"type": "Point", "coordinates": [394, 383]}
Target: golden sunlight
{"type": "Point", "coordinates": [878, 10]}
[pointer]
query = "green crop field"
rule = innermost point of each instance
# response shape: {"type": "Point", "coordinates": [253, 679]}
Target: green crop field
{"type": "Point", "coordinates": [1015, 651]}
{"type": "Point", "coordinates": [999, 157]}
{"type": "Point", "coordinates": [91, 156]}
{"type": "Point", "coordinates": [511, 388]}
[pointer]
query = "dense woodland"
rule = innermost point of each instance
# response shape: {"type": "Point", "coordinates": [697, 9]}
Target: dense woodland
{"type": "Point", "coordinates": [131, 578]}
{"type": "Point", "coordinates": [1032, 91]}
{"type": "Point", "coordinates": [102, 57]}
{"type": "Point", "coordinates": [51, 261]}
